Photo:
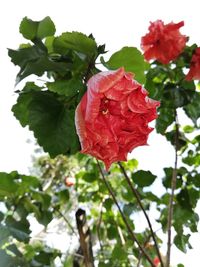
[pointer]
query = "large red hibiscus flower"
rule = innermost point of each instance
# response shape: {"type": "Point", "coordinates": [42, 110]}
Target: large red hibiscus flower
{"type": "Point", "coordinates": [112, 117]}
{"type": "Point", "coordinates": [163, 42]}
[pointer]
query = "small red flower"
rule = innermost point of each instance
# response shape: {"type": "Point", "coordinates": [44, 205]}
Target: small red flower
{"type": "Point", "coordinates": [194, 72]}
{"type": "Point", "coordinates": [163, 42]}
{"type": "Point", "coordinates": [156, 261]}
{"type": "Point", "coordinates": [112, 117]}
{"type": "Point", "coordinates": [70, 181]}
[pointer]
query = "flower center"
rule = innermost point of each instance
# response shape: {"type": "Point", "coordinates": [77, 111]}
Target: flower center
{"type": "Point", "coordinates": [104, 106]}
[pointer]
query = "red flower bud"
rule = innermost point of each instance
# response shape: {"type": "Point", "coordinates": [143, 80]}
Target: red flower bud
{"type": "Point", "coordinates": [70, 181]}
{"type": "Point", "coordinates": [112, 117]}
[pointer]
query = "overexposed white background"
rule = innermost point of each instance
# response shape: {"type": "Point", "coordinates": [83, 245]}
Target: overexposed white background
{"type": "Point", "coordinates": [115, 23]}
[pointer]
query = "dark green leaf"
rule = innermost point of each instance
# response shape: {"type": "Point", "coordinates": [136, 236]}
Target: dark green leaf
{"type": "Point", "coordinates": [182, 242]}
{"type": "Point", "coordinates": [4, 235]}
{"type": "Point", "coordinates": [45, 217]}
{"type": "Point", "coordinates": [196, 180]}
{"type": "Point", "coordinates": [52, 123]}
{"type": "Point", "coordinates": [143, 178]}
{"type": "Point", "coordinates": [193, 109]}
{"type": "Point", "coordinates": [174, 96]}
{"type": "Point", "coordinates": [165, 119]}
{"type": "Point", "coordinates": [168, 178]}
{"type": "Point", "coordinates": [18, 229]}
{"type": "Point", "coordinates": [128, 209]}
{"type": "Point", "coordinates": [131, 59]}
{"type": "Point", "coordinates": [6, 260]}
{"type": "Point", "coordinates": [34, 60]}
{"type": "Point", "coordinates": [13, 248]}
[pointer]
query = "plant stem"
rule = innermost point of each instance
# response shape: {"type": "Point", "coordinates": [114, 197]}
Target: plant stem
{"type": "Point", "coordinates": [173, 187]}
{"type": "Point", "coordinates": [98, 226]}
{"type": "Point", "coordinates": [67, 222]}
{"type": "Point", "coordinates": [134, 238]}
{"type": "Point", "coordinates": [137, 196]}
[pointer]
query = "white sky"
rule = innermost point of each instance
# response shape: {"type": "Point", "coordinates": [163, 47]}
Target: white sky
{"type": "Point", "coordinates": [115, 23]}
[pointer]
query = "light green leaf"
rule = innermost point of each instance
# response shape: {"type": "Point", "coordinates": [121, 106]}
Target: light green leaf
{"type": "Point", "coordinates": [8, 186]}
{"type": "Point", "coordinates": [76, 41]}
{"type": "Point", "coordinates": [37, 29]}
{"type": "Point", "coordinates": [28, 28]}
{"type": "Point", "coordinates": [131, 59]}
{"type": "Point", "coordinates": [66, 87]}
{"type": "Point", "coordinates": [46, 28]}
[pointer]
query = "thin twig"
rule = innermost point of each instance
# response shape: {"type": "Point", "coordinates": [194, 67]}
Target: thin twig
{"type": "Point", "coordinates": [140, 255]}
{"type": "Point", "coordinates": [173, 188]}
{"type": "Point", "coordinates": [137, 196]}
{"type": "Point", "coordinates": [134, 238]}
{"type": "Point", "coordinates": [98, 226]}
{"type": "Point", "coordinates": [67, 222]}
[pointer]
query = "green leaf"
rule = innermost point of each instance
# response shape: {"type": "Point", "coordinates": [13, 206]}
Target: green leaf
{"type": "Point", "coordinates": [188, 129]}
{"type": "Point", "coordinates": [193, 109]}
{"type": "Point", "coordinates": [45, 217]}
{"type": "Point", "coordinates": [168, 178]}
{"type": "Point", "coordinates": [28, 28]}
{"type": "Point", "coordinates": [63, 196]}
{"type": "Point", "coordinates": [182, 242]}
{"type": "Point", "coordinates": [119, 253]}
{"type": "Point", "coordinates": [52, 123]}
{"type": "Point", "coordinates": [42, 198]}
{"type": "Point", "coordinates": [8, 186]}
{"type": "Point", "coordinates": [131, 59]}
{"type": "Point", "coordinates": [196, 180]}
{"type": "Point", "coordinates": [66, 87]}
{"type": "Point", "coordinates": [34, 60]}
{"type": "Point", "coordinates": [18, 229]}
{"type": "Point", "coordinates": [165, 119]}
{"type": "Point", "coordinates": [46, 28]}
{"type": "Point", "coordinates": [4, 235]}
{"type": "Point", "coordinates": [129, 208]}
{"type": "Point", "coordinates": [6, 260]}
{"type": "Point", "coordinates": [37, 29]}
{"type": "Point", "coordinates": [13, 248]}
{"type": "Point", "coordinates": [76, 41]}
{"type": "Point", "coordinates": [175, 96]}
{"type": "Point", "coordinates": [143, 178]}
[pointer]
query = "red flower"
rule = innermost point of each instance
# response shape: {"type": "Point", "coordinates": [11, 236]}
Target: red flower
{"type": "Point", "coordinates": [194, 72]}
{"type": "Point", "coordinates": [112, 117]}
{"type": "Point", "coordinates": [163, 42]}
{"type": "Point", "coordinates": [156, 261]}
{"type": "Point", "coordinates": [70, 181]}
